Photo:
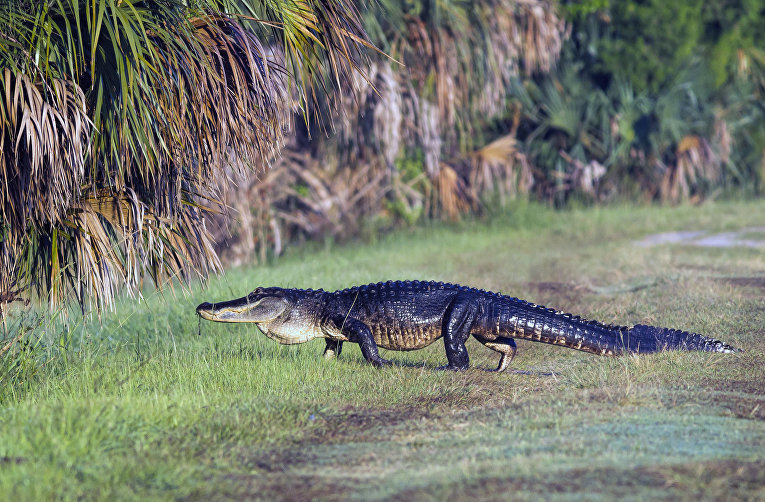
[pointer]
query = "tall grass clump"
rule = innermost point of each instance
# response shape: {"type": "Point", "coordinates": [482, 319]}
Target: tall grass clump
{"type": "Point", "coordinates": [29, 341]}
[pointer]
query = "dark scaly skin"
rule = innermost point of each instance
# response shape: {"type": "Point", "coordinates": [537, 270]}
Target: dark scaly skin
{"type": "Point", "coordinates": [410, 315]}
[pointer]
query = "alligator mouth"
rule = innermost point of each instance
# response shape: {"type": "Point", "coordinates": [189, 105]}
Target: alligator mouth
{"type": "Point", "coordinates": [206, 311]}
{"type": "Point", "coordinates": [230, 311]}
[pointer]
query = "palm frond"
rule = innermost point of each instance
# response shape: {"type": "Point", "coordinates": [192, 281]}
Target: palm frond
{"type": "Point", "coordinates": [324, 44]}
{"type": "Point", "coordinates": [503, 167]}
{"type": "Point", "coordinates": [44, 133]}
{"type": "Point", "coordinates": [122, 120]}
{"type": "Point", "coordinates": [459, 62]}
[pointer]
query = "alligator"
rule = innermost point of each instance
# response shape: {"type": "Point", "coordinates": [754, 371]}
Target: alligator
{"type": "Point", "coordinates": [410, 315]}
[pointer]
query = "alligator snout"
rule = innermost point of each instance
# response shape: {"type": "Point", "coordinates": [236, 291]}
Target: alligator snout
{"type": "Point", "coordinates": [204, 308]}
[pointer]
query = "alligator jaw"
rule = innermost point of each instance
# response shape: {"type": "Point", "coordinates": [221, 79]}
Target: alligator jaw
{"type": "Point", "coordinates": [246, 309]}
{"type": "Point", "coordinates": [231, 311]}
{"type": "Point", "coordinates": [206, 311]}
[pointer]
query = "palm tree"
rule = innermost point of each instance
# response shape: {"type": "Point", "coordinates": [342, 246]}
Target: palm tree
{"type": "Point", "coordinates": [119, 118]}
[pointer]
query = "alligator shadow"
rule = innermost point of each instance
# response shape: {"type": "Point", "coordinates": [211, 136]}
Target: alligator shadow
{"type": "Point", "coordinates": [486, 369]}
{"type": "Point", "coordinates": [534, 373]}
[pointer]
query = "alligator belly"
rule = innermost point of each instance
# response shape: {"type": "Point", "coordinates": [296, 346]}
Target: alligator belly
{"type": "Point", "coordinates": [405, 338]}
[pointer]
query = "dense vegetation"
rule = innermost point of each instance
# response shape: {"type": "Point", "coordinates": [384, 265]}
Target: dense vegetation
{"type": "Point", "coordinates": [589, 101]}
{"type": "Point", "coordinates": [661, 99]}
{"type": "Point", "coordinates": [119, 119]}
{"type": "Point", "coordinates": [470, 104]}
{"type": "Point", "coordinates": [405, 148]}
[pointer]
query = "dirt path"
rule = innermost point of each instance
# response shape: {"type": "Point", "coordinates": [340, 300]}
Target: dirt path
{"type": "Point", "coordinates": [751, 237]}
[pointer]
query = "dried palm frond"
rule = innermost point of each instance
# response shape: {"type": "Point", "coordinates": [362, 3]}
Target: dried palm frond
{"type": "Point", "coordinates": [108, 241]}
{"type": "Point", "coordinates": [377, 99]}
{"type": "Point", "coordinates": [459, 63]}
{"type": "Point", "coordinates": [299, 198]}
{"type": "Point", "coordinates": [582, 177]}
{"type": "Point", "coordinates": [454, 195]}
{"type": "Point", "coordinates": [502, 167]}
{"type": "Point", "coordinates": [696, 162]}
{"type": "Point", "coordinates": [44, 133]}
{"type": "Point", "coordinates": [245, 232]}
{"type": "Point", "coordinates": [722, 139]}
{"type": "Point", "coordinates": [330, 200]}
{"type": "Point", "coordinates": [450, 68]}
{"type": "Point", "coordinates": [10, 290]}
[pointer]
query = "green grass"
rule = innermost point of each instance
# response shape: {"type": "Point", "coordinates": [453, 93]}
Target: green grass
{"type": "Point", "coordinates": [141, 405]}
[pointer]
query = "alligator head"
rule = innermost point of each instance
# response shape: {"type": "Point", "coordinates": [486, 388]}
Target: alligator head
{"type": "Point", "coordinates": [261, 306]}
{"type": "Point", "coordinates": [279, 313]}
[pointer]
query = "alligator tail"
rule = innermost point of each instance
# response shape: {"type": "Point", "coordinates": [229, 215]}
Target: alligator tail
{"type": "Point", "coordinates": [518, 319]}
{"type": "Point", "coordinates": [641, 338]}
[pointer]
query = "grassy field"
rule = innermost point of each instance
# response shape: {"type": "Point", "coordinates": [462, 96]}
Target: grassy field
{"type": "Point", "coordinates": [151, 404]}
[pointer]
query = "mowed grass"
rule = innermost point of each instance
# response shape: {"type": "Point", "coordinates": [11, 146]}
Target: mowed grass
{"type": "Point", "coordinates": [149, 404]}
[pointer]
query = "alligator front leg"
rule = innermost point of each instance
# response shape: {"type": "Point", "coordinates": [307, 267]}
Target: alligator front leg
{"type": "Point", "coordinates": [458, 321]}
{"type": "Point", "coordinates": [333, 348]}
{"type": "Point", "coordinates": [358, 332]}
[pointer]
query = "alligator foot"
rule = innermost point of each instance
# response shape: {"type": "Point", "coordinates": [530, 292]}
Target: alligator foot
{"type": "Point", "coordinates": [504, 362]}
{"type": "Point", "coordinates": [505, 346]}
{"type": "Point", "coordinates": [380, 362]}
{"type": "Point", "coordinates": [333, 349]}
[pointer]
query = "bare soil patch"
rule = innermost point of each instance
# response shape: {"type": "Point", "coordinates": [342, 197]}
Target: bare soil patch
{"type": "Point", "coordinates": [556, 292]}
{"type": "Point", "coordinates": [275, 486]}
{"type": "Point", "coordinates": [746, 282]}
{"type": "Point", "coordinates": [712, 480]}
{"type": "Point", "coordinates": [745, 237]}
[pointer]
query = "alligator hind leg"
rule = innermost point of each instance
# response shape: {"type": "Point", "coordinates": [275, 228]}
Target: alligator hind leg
{"type": "Point", "coordinates": [505, 346]}
{"type": "Point", "coordinates": [333, 348]}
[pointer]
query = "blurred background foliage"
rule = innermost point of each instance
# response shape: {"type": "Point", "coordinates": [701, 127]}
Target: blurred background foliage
{"type": "Point", "coordinates": [479, 102]}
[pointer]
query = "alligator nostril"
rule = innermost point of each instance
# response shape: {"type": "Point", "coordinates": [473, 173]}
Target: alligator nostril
{"type": "Point", "coordinates": [204, 306]}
